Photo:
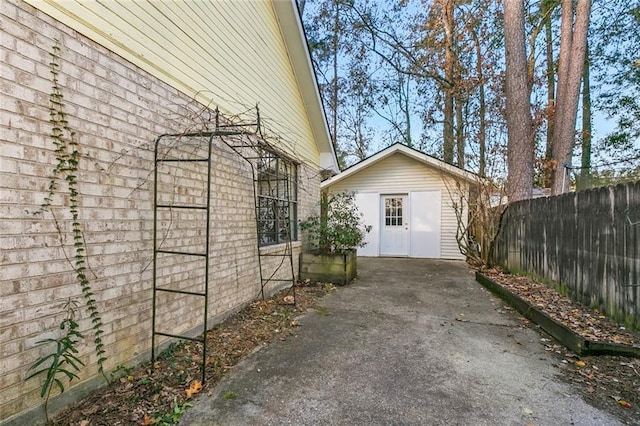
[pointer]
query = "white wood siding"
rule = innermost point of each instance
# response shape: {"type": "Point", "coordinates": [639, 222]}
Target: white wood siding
{"type": "Point", "coordinates": [224, 53]}
{"type": "Point", "coordinates": [399, 174]}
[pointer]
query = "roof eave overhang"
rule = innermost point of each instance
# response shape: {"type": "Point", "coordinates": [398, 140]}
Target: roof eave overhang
{"type": "Point", "coordinates": [295, 40]}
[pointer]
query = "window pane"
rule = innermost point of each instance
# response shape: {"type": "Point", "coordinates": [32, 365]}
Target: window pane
{"type": "Point", "coordinates": [277, 200]}
{"type": "Point", "coordinates": [393, 211]}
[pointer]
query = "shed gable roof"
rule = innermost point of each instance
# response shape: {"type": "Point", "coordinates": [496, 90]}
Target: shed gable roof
{"type": "Point", "coordinates": [399, 149]}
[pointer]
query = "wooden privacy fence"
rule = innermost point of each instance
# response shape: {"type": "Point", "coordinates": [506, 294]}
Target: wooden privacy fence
{"type": "Point", "coordinates": [588, 242]}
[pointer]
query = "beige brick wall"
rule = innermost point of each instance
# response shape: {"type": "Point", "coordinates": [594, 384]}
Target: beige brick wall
{"type": "Point", "coordinates": [117, 111]}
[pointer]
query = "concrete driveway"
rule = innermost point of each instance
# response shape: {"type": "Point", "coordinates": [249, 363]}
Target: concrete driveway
{"type": "Point", "coordinates": [410, 342]}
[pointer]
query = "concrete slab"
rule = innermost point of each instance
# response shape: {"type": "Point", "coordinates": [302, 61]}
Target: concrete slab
{"type": "Point", "coordinates": [410, 342]}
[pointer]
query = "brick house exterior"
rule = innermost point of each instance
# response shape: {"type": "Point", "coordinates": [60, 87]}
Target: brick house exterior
{"type": "Point", "coordinates": [117, 107]}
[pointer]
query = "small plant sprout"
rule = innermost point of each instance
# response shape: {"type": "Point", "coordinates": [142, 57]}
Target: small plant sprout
{"type": "Point", "coordinates": [63, 362]}
{"type": "Point", "coordinates": [229, 395]}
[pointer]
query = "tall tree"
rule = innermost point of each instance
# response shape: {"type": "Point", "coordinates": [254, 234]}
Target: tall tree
{"type": "Point", "coordinates": [435, 67]}
{"type": "Point", "coordinates": [518, 109]}
{"type": "Point", "coordinates": [585, 164]}
{"type": "Point", "coordinates": [394, 103]}
{"type": "Point", "coordinates": [446, 12]}
{"type": "Point", "coordinates": [546, 8]}
{"type": "Point", "coordinates": [615, 70]}
{"type": "Point", "coordinates": [396, 38]}
{"type": "Point", "coordinates": [573, 42]}
{"type": "Point", "coordinates": [357, 107]}
{"type": "Point", "coordinates": [335, 88]}
{"type": "Point", "coordinates": [480, 86]}
{"type": "Point", "coordinates": [341, 66]}
{"type": "Point", "coordinates": [482, 105]}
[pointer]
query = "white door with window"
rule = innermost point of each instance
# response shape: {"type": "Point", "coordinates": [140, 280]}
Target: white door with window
{"type": "Point", "coordinates": [394, 235]}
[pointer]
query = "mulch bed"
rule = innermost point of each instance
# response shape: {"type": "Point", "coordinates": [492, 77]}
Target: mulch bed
{"type": "Point", "coordinates": [611, 383]}
{"type": "Point", "coordinates": [158, 395]}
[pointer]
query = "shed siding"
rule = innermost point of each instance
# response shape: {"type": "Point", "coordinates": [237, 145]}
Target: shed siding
{"type": "Point", "coordinates": [400, 174]}
{"type": "Point", "coordinates": [216, 52]}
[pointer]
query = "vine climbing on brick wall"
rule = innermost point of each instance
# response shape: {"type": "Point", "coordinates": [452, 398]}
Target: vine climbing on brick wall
{"type": "Point", "coordinates": [65, 171]}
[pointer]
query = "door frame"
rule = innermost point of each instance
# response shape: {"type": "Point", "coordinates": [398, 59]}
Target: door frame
{"type": "Point", "coordinates": [405, 219]}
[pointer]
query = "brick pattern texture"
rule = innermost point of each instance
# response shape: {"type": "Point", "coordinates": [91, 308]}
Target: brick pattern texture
{"type": "Point", "coordinates": [117, 111]}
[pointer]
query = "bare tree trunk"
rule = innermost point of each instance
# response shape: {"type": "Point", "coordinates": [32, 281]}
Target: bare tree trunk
{"type": "Point", "coordinates": [482, 129]}
{"type": "Point", "coordinates": [518, 108]}
{"type": "Point", "coordinates": [573, 41]}
{"type": "Point", "coordinates": [551, 92]}
{"type": "Point", "coordinates": [449, 59]}
{"type": "Point", "coordinates": [407, 113]}
{"type": "Point", "coordinates": [335, 87]}
{"type": "Point", "coordinates": [459, 133]}
{"type": "Point", "coordinates": [585, 170]}
{"type": "Point", "coordinates": [459, 101]}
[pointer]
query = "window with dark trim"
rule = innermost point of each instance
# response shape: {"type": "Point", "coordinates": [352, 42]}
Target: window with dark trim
{"type": "Point", "coordinates": [277, 200]}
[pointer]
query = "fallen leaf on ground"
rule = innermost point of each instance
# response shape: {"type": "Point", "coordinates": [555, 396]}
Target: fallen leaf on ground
{"type": "Point", "coordinates": [624, 404]}
{"type": "Point", "coordinates": [195, 387]}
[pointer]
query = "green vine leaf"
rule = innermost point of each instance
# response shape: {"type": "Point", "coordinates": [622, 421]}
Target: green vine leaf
{"type": "Point", "coordinates": [66, 170]}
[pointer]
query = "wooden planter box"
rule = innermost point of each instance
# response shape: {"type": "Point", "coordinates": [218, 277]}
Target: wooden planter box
{"type": "Point", "coordinates": [338, 268]}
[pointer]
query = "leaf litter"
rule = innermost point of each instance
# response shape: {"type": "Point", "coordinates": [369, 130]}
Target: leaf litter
{"type": "Point", "coordinates": [158, 394]}
{"type": "Point", "coordinates": [611, 383]}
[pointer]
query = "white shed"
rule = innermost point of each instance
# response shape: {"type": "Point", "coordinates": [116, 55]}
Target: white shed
{"type": "Point", "coordinates": [414, 203]}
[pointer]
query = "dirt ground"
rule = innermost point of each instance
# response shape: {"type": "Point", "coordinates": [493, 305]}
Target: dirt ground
{"type": "Point", "coordinates": [159, 395]}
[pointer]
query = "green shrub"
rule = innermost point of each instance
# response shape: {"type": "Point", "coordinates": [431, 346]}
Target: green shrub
{"type": "Point", "coordinates": [338, 227]}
